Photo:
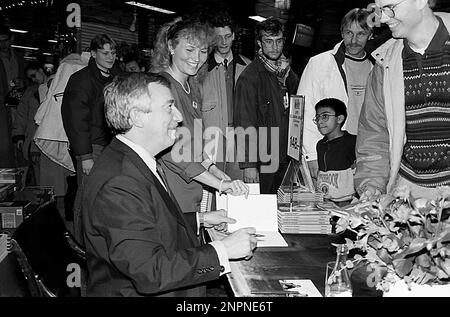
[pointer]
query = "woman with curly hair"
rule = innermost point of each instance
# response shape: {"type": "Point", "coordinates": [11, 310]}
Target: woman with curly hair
{"type": "Point", "coordinates": [180, 50]}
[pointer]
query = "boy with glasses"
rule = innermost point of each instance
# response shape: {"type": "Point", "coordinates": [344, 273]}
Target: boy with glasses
{"type": "Point", "coordinates": [335, 152]}
{"type": "Point", "coordinates": [338, 73]}
{"type": "Point", "coordinates": [403, 134]}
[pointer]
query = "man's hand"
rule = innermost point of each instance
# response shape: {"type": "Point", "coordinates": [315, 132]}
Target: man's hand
{"type": "Point", "coordinates": [251, 175]}
{"type": "Point", "coordinates": [218, 173]}
{"type": "Point", "coordinates": [235, 188]}
{"type": "Point", "coordinates": [369, 192]}
{"type": "Point", "coordinates": [240, 244]}
{"type": "Point", "coordinates": [87, 166]}
{"type": "Point", "coordinates": [218, 219]}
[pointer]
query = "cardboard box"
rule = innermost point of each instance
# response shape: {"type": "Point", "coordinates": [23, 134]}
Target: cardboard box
{"type": "Point", "coordinates": [11, 213]}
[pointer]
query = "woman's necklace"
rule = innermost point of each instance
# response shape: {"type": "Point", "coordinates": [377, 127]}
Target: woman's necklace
{"type": "Point", "coordinates": [186, 90]}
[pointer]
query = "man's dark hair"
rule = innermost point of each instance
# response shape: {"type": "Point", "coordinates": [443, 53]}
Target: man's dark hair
{"type": "Point", "coordinates": [271, 26]}
{"type": "Point", "coordinates": [221, 20]}
{"type": "Point", "coordinates": [4, 30]}
{"type": "Point", "coordinates": [337, 105]}
{"type": "Point", "coordinates": [432, 3]}
{"type": "Point", "coordinates": [358, 16]}
{"type": "Point", "coordinates": [100, 40]}
{"type": "Point", "coordinates": [33, 66]}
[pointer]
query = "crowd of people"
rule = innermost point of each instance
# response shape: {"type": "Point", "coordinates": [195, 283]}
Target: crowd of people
{"type": "Point", "coordinates": [136, 135]}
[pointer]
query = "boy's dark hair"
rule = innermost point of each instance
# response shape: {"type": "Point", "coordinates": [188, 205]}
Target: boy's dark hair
{"type": "Point", "coordinates": [337, 105]}
{"type": "Point", "coordinates": [100, 40]}
{"type": "Point", "coordinates": [271, 26]}
{"type": "Point", "coordinates": [221, 20]}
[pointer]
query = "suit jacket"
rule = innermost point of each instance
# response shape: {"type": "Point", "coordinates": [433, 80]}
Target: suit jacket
{"type": "Point", "coordinates": [138, 242]}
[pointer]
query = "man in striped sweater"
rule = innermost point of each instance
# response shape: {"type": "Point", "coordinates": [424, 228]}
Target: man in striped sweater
{"type": "Point", "coordinates": [403, 134]}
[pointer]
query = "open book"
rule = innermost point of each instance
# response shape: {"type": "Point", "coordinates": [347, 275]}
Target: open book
{"type": "Point", "coordinates": [259, 211]}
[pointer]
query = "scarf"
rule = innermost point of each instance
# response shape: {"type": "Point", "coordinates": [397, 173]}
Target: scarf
{"type": "Point", "coordinates": [280, 67]}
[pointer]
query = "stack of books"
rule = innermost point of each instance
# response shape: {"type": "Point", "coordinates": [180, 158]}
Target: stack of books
{"type": "Point", "coordinates": [299, 194]}
{"type": "Point", "coordinates": [303, 218]}
{"type": "Point", "coordinates": [4, 242]}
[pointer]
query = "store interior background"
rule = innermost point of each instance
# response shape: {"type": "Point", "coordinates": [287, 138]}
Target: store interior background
{"type": "Point", "coordinates": [48, 34]}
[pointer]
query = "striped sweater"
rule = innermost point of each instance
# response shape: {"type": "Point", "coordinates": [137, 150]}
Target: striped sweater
{"type": "Point", "coordinates": [426, 154]}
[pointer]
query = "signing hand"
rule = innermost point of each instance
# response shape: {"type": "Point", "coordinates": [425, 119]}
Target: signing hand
{"type": "Point", "coordinates": [241, 243]}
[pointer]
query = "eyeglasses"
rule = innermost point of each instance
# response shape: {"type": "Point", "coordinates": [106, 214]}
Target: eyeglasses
{"type": "Point", "coordinates": [324, 117]}
{"type": "Point", "coordinates": [389, 9]}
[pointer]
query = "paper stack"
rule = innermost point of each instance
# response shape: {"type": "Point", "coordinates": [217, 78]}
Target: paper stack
{"type": "Point", "coordinates": [4, 240]}
{"type": "Point", "coordinates": [300, 193]}
{"type": "Point", "coordinates": [258, 211]}
{"type": "Point", "coordinates": [303, 218]}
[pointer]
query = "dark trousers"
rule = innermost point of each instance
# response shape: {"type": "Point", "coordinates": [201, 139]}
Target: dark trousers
{"type": "Point", "coordinates": [81, 180]}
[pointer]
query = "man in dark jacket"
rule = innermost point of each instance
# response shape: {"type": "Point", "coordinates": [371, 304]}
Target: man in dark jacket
{"type": "Point", "coordinates": [138, 241]}
{"type": "Point", "coordinates": [83, 115]}
{"type": "Point", "coordinates": [262, 102]}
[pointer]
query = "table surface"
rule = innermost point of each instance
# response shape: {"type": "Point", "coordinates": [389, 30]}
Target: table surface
{"type": "Point", "coordinates": [304, 258]}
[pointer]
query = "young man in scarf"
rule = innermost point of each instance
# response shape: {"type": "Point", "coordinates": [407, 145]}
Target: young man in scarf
{"type": "Point", "coordinates": [262, 101]}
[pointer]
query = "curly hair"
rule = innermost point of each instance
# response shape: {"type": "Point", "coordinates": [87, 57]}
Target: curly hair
{"type": "Point", "coordinates": [192, 29]}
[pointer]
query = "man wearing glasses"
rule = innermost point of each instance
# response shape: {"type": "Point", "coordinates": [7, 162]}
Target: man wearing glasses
{"type": "Point", "coordinates": [339, 73]}
{"type": "Point", "coordinates": [403, 136]}
{"type": "Point", "coordinates": [83, 114]}
{"type": "Point", "coordinates": [262, 101]}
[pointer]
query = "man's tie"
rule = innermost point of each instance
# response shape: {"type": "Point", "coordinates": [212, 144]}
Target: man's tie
{"type": "Point", "coordinates": [225, 63]}
{"type": "Point", "coordinates": [161, 174]}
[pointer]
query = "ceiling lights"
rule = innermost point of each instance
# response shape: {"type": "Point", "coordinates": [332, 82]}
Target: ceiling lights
{"type": "Point", "coordinates": [26, 47]}
{"type": "Point", "coordinates": [18, 31]}
{"type": "Point", "coordinates": [149, 7]}
{"type": "Point", "coordinates": [257, 18]}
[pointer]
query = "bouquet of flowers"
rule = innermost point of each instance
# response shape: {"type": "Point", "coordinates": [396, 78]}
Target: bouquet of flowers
{"type": "Point", "coordinates": [402, 238]}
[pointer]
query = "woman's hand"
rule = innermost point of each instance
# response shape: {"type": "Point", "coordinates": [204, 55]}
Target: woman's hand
{"type": "Point", "coordinates": [235, 188]}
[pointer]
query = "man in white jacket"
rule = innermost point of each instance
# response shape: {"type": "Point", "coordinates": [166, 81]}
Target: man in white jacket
{"type": "Point", "coordinates": [403, 135]}
{"type": "Point", "coordinates": [339, 73]}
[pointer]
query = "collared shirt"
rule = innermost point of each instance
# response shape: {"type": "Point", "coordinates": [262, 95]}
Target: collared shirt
{"type": "Point", "coordinates": [150, 161]}
{"type": "Point", "coordinates": [219, 59]}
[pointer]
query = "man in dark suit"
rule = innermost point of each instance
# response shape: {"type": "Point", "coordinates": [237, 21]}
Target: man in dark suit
{"type": "Point", "coordinates": [138, 241]}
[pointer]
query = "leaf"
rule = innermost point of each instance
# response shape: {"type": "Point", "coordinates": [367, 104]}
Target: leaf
{"type": "Point", "coordinates": [424, 260]}
{"type": "Point", "coordinates": [384, 256]}
{"type": "Point", "coordinates": [416, 245]}
{"type": "Point", "coordinates": [349, 264]}
{"type": "Point", "coordinates": [402, 266]}
{"type": "Point", "coordinates": [358, 257]}
{"type": "Point", "coordinates": [445, 265]}
{"type": "Point", "coordinates": [445, 238]}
